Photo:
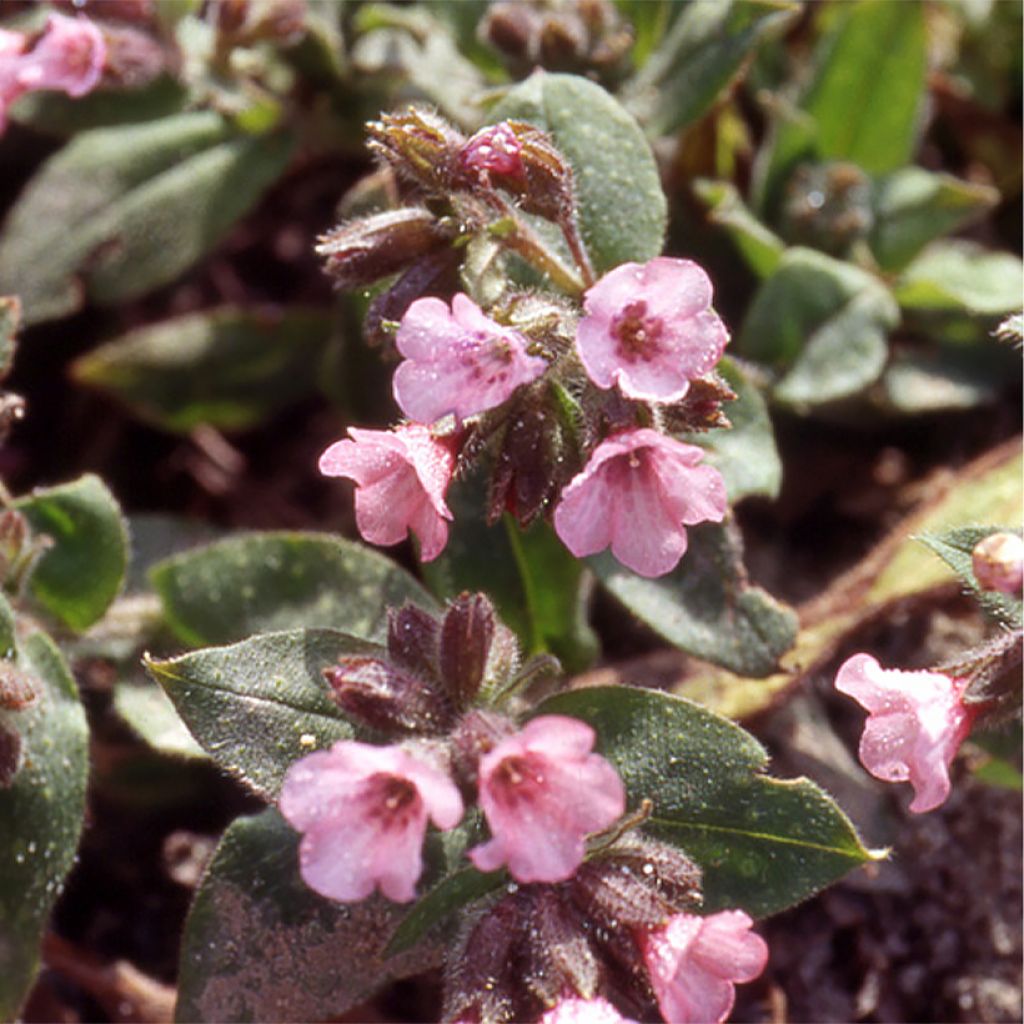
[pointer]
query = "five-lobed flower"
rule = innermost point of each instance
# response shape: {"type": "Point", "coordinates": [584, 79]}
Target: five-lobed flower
{"type": "Point", "coordinates": [363, 813]}
{"type": "Point", "coordinates": [916, 723]}
{"type": "Point", "coordinates": [458, 361]}
{"type": "Point", "coordinates": [638, 493]}
{"type": "Point", "coordinates": [542, 791]}
{"type": "Point", "coordinates": [401, 478]}
{"type": "Point", "coordinates": [649, 328]}
{"type": "Point", "coordinates": [694, 964]}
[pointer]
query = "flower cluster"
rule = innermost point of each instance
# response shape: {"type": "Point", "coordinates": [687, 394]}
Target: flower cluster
{"type": "Point", "coordinates": [591, 895]}
{"type": "Point", "coordinates": [572, 399]}
{"type": "Point", "coordinates": [68, 57]}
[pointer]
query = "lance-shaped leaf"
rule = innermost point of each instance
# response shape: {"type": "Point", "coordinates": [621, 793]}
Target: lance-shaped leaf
{"type": "Point", "coordinates": [260, 945]}
{"type": "Point", "coordinates": [259, 705]}
{"type": "Point", "coordinates": [230, 368]}
{"type": "Point", "coordinates": [962, 277]}
{"type": "Point", "coordinates": [913, 207]}
{"type": "Point", "coordinates": [763, 843]}
{"type": "Point", "coordinates": [955, 547]}
{"type": "Point", "coordinates": [82, 570]}
{"type": "Point", "coordinates": [706, 606]}
{"type": "Point", "coordinates": [864, 99]}
{"type": "Point", "coordinates": [823, 324]}
{"type": "Point", "coordinates": [703, 50]}
{"type": "Point", "coordinates": [621, 205]}
{"type": "Point", "coordinates": [41, 812]}
{"type": "Point", "coordinates": [745, 454]}
{"type": "Point", "coordinates": [260, 582]}
{"type": "Point", "coordinates": [759, 246]}
{"type": "Point", "coordinates": [119, 211]}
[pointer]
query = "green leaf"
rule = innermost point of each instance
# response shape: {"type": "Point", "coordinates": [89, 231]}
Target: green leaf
{"type": "Point", "coordinates": [823, 322]}
{"type": "Point", "coordinates": [864, 99]}
{"type": "Point", "coordinates": [257, 706]}
{"type": "Point", "coordinates": [955, 547]}
{"type": "Point", "coordinates": [119, 211]}
{"type": "Point", "coordinates": [912, 207]}
{"type": "Point", "coordinates": [944, 377]}
{"type": "Point", "coordinates": [744, 454]}
{"type": "Point", "coordinates": [536, 585]}
{"type": "Point", "coordinates": [706, 606]}
{"type": "Point", "coordinates": [259, 582]}
{"type": "Point", "coordinates": [962, 276]}
{"type": "Point", "coordinates": [78, 576]}
{"type": "Point", "coordinates": [10, 324]}
{"type": "Point", "coordinates": [621, 205]}
{"type": "Point", "coordinates": [148, 711]}
{"type": "Point", "coordinates": [702, 52]}
{"type": "Point", "coordinates": [260, 945]}
{"type": "Point", "coordinates": [40, 814]}
{"type": "Point", "coordinates": [763, 844]}
{"type": "Point", "coordinates": [230, 368]}
{"type": "Point", "coordinates": [760, 247]}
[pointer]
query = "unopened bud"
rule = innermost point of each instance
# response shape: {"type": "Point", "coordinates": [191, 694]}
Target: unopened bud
{"type": "Point", "coordinates": [512, 29]}
{"type": "Point", "coordinates": [363, 251]}
{"type": "Point", "coordinates": [134, 57]}
{"type": "Point", "coordinates": [477, 651]}
{"type": "Point", "coordinates": [384, 697]}
{"type": "Point", "coordinates": [998, 562]}
{"type": "Point", "coordinates": [420, 145]}
{"type": "Point", "coordinates": [18, 690]}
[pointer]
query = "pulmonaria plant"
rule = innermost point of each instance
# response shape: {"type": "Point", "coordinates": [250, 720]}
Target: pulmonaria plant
{"type": "Point", "coordinates": [570, 391]}
{"type": "Point", "coordinates": [68, 57]}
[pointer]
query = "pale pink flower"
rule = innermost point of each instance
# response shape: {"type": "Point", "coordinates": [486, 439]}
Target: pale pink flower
{"type": "Point", "coordinates": [650, 329]}
{"type": "Point", "coordinates": [494, 149]}
{"type": "Point", "coordinates": [363, 814]}
{"type": "Point", "coordinates": [11, 46]}
{"type": "Point", "coordinates": [458, 361]}
{"type": "Point", "coordinates": [638, 493]}
{"type": "Point", "coordinates": [576, 1010]}
{"type": "Point", "coordinates": [916, 724]}
{"type": "Point", "coordinates": [401, 477]}
{"type": "Point", "coordinates": [68, 57]}
{"type": "Point", "coordinates": [542, 792]}
{"type": "Point", "coordinates": [695, 962]}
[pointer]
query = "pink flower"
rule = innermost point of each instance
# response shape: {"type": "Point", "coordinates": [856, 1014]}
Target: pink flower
{"type": "Point", "coordinates": [649, 328]}
{"type": "Point", "coordinates": [459, 362]}
{"type": "Point", "coordinates": [583, 1011]}
{"type": "Point", "coordinates": [363, 811]}
{"type": "Point", "coordinates": [695, 962]}
{"type": "Point", "coordinates": [542, 792]}
{"type": "Point", "coordinates": [917, 722]}
{"type": "Point", "coordinates": [638, 493]}
{"type": "Point", "coordinates": [401, 478]}
{"type": "Point", "coordinates": [493, 150]}
{"type": "Point", "coordinates": [68, 57]}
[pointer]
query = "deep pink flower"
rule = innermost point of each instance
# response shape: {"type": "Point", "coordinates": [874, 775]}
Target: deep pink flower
{"type": "Point", "coordinates": [494, 149]}
{"type": "Point", "coordinates": [458, 361]}
{"type": "Point", "coordinates": [363, 814]}
{"type": "Point", "coordinates": [916, 724]}
{"type": "Point", "coordinates": [576, 1010]}
{"type": "Point", "coordinates": [542, 792]}
{"type": "Point", "coordinates": [401, 479]}
{"type": "Point", "coordinates": [638, 493]}
{"type": "Point", "coordinates": [695, 962]}
{"type": "Point", "coordinates": [650, 329]}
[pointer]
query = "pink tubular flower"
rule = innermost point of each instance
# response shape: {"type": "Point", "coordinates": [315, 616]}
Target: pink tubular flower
{"type": "Point", "coordinates": [695, 962]}
{"type": "Point", "coordinates": [916, 724]}
{"type": "Point", "coordinates": [649, 328]}
{"type": "Point", "coordinates": [458, 361]}
{"type": "Point", "coordinates": [638, 493]}
{"type": "Point", "coordinates": [542, 792]}
{"type": "Point", "coordinates": [401, 479]}
{"type": "Point", "coordinates": [363, 811]}
{"type": "Point", "coordinates": [494, 149]}
{"type": "Point", "coordinates": [576, 1010]}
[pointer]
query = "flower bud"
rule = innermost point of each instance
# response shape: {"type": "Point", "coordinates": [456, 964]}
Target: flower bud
{"type": "Point", "coordinates": [421, 146]}
{"type": "Point", "coordinates": [998, 562]}
{"type": "Point", "coordinates": [412, 640]}
{"type": "Point", "coordinates": [467, 634]}
{"type": "Point", "coordinates": [558, 957]}
{"type": "Point", "coordinates": [363, 251]}
{"type": "Point", "coordinates": [18, 690]}
{"type": "Point", "coordinates": [384, 697]}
